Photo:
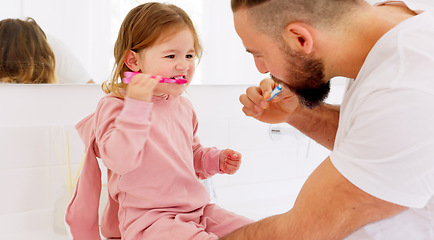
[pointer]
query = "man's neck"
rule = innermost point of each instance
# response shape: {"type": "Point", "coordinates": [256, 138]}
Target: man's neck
{"type": "Point", "coordinates": [361, 35]}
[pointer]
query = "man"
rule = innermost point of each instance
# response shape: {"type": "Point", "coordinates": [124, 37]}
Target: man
{"type": "Point", "coordinates": [378, 182]}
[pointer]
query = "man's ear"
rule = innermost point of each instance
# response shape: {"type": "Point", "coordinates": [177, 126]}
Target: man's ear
{"type": "Point", "coordinates": [131, 61]}
{"type": "Point", "coordinates": [299, 37]}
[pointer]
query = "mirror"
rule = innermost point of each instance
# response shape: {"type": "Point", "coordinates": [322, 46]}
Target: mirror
{"type": "Point", "coordinates": [83, 33]}
{"type": "Point", "coordinates": [88, 29]}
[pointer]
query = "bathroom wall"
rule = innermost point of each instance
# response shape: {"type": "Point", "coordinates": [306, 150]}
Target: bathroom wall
{"type": "Point", "coordinates": [38, 141]}
{"type": "Point", "coordinates": [34, 124]}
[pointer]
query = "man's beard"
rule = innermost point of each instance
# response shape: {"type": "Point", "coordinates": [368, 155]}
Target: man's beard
{"type": "Point", "coordinates": [305, 78]}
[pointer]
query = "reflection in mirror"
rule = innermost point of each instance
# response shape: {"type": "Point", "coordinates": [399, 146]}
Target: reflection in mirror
{"type": "Point", "coordinates": [88, 30]}
{"type": "Point", "coordinates": [25, 55]}
{"type": "Point", "coordinates": [69, 69]}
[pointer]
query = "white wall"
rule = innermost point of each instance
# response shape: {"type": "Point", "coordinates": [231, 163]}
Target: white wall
{"type": "Point", "coordinates": [225, 60]}
{"type": "Point", "coordinates": [33, 151]}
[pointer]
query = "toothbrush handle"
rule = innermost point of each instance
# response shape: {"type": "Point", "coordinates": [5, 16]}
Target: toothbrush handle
{"type": "Point", "coordinates": [129, 75]}
{"type": "Point", "coordinates": [275, 92]}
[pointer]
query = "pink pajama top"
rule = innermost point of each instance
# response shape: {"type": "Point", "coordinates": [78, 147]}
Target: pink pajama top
{"type": "Point", "coordinates": [154, 161]}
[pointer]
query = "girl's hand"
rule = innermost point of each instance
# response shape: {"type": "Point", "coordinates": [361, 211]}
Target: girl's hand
{"type": "Point", "coordinates": [142, 87]}
{"type": "Point", "coordinates": [278, 110]}
{"type": "Point", "coordinates": [230, 161]}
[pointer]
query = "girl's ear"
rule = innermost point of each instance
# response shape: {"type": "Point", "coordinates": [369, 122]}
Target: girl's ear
{"type": "Point", "coordinates": [299, 37]}
{"type": "Point", "coordinates": [131, 61]}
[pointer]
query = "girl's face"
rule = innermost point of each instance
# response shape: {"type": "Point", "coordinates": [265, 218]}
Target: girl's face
{"type": "Point", "coordinates": [172, 58]}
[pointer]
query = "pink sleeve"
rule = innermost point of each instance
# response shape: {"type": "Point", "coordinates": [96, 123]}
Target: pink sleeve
{"type": "Point", "coordinates": [206, 160]}
{"type": "Point", "coordinates": [121, 132]}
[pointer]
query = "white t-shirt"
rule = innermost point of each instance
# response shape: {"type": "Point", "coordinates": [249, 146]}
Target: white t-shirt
{"type": "Point", "coordinates": [385, 141]}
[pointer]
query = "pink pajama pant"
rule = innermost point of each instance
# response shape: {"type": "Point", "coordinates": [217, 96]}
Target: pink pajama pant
{"type": "Point", "coordinates": [209, 222]}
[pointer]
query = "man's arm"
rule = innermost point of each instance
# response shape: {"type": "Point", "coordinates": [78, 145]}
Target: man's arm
{"type": "Point", "coordinates": [327, 207]}
{"type": "Point", "coordinates": [320, 124]}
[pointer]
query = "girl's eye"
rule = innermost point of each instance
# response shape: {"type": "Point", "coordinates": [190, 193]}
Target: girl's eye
{"type": "Point", "coordinates": [170, 56]}
{"type": "Point", "coordinates": [189, 56]}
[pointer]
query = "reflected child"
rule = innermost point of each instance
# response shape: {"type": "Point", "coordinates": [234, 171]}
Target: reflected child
{"type": "Point", "coordinates": [25, 55]}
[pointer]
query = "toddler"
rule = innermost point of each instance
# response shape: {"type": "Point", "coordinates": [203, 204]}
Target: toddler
{"type": "Point", "coordinates": [145, 133]}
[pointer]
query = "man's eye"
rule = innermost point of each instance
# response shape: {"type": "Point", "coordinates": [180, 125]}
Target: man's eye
{"type": "Point", "coordinates": [170, 56]}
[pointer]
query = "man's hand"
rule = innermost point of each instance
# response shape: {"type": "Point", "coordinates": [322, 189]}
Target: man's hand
{"type": "Point", "coordinates": [277, 110]}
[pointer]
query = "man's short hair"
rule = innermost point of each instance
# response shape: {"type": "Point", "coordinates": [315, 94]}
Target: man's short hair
{"type": "Point", "coordinates": [272, 16]}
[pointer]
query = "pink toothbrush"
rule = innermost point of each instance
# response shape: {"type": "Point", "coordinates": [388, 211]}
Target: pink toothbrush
{"type": "Point", "coordinates": [129, 75]}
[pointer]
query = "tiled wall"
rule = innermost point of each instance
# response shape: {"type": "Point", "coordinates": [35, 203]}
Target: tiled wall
{"type": "Point", "coordinates": [37, 125]}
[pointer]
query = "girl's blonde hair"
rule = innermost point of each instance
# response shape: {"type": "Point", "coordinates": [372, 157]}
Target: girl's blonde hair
{"type": "Point", "coordinates": [143, 26]}
{"type": "Point", "coordinates": [25, 55]}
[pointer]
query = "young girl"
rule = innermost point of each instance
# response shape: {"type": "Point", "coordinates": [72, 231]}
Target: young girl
{"type": "Point", "coordinates": [145, 134]}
